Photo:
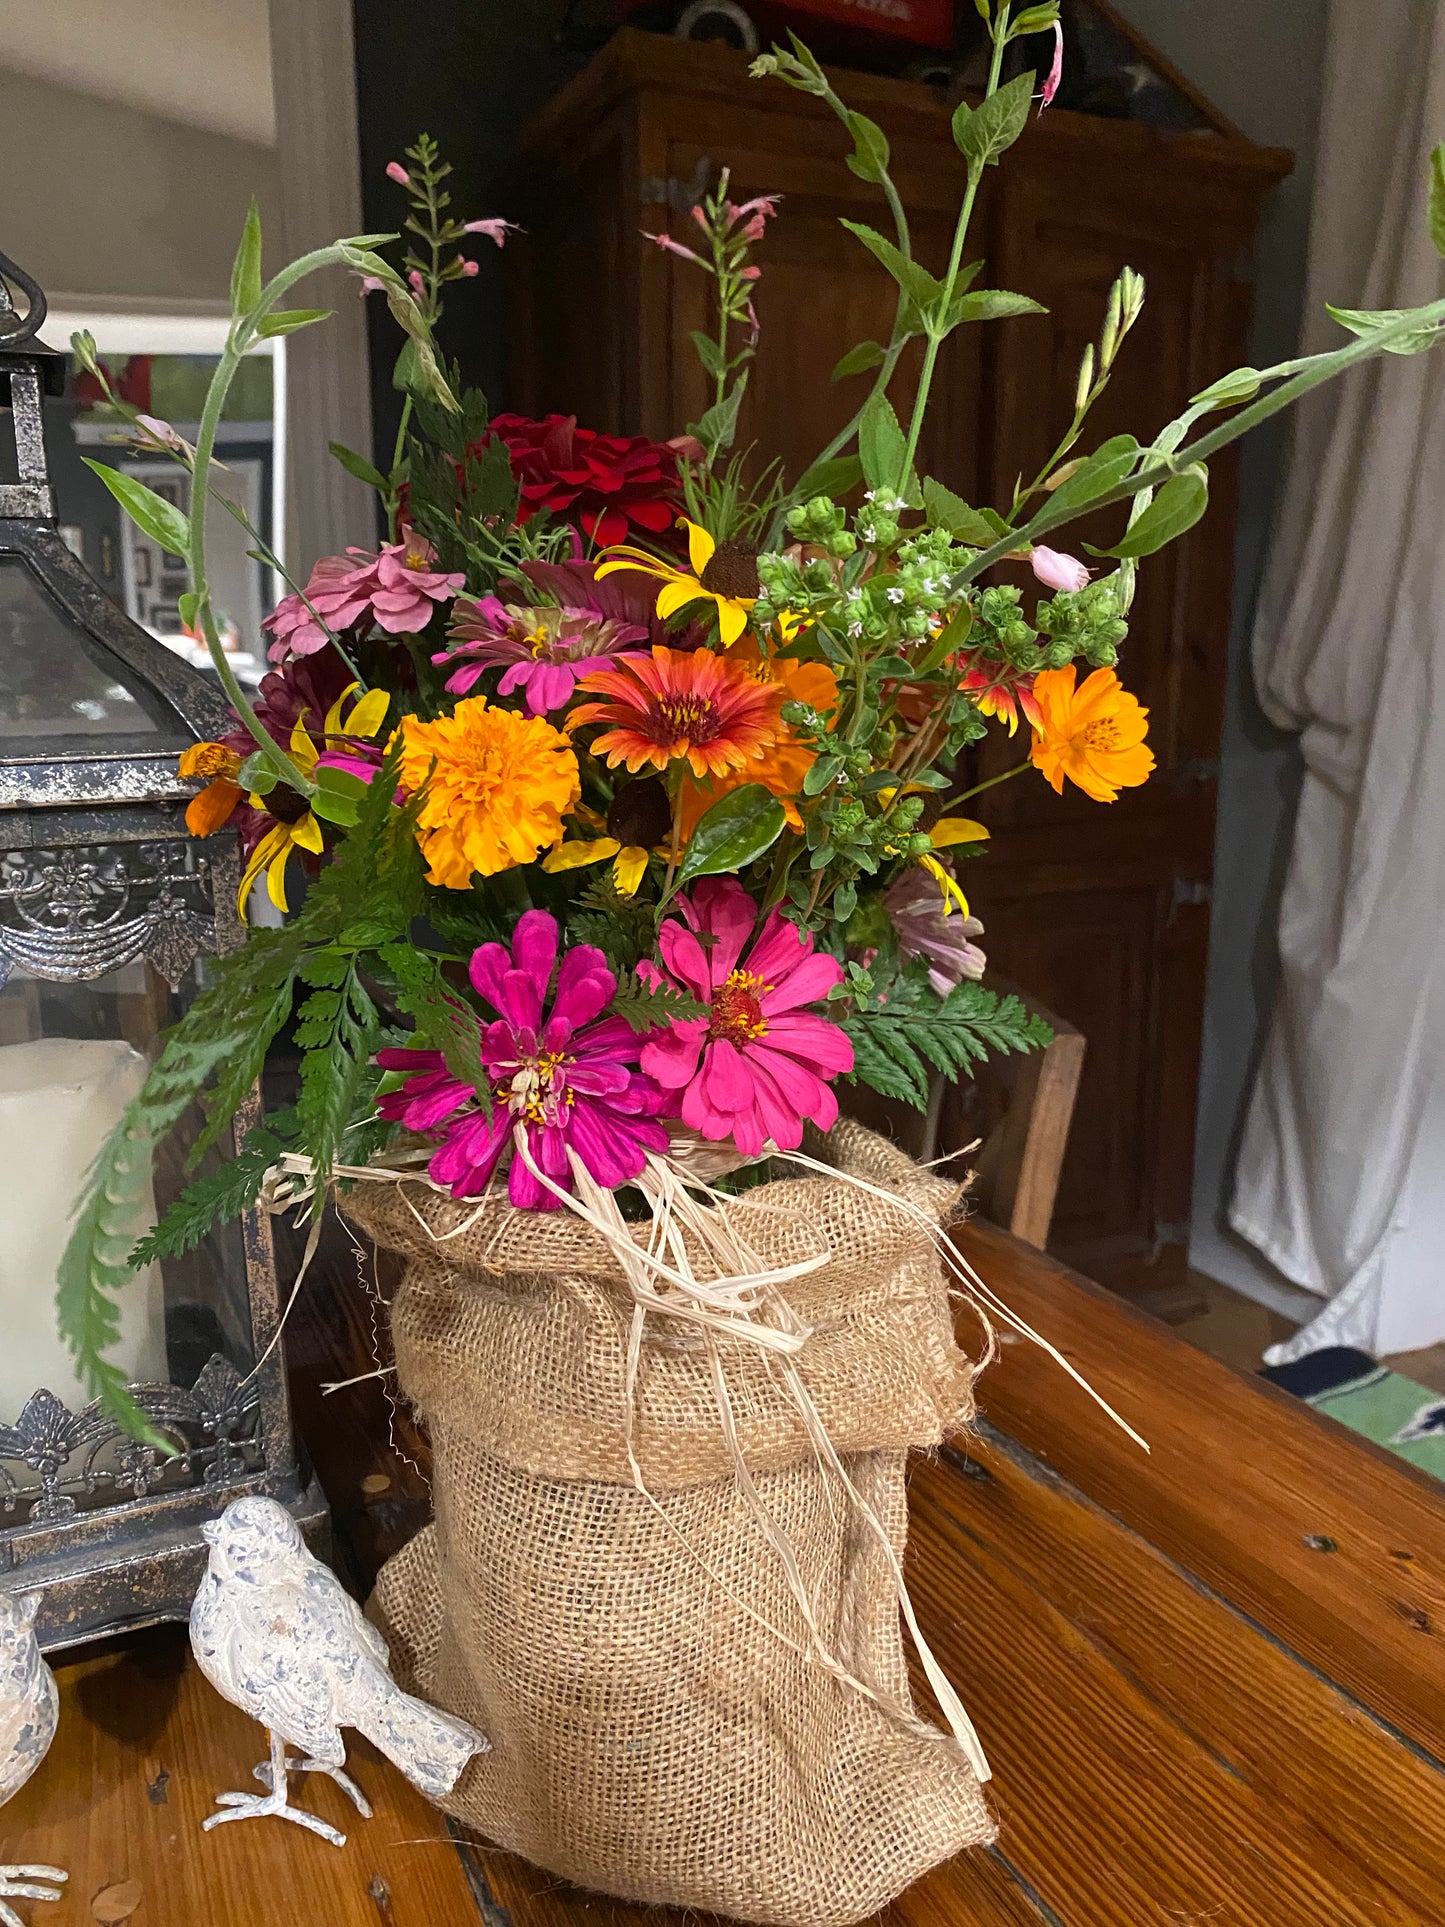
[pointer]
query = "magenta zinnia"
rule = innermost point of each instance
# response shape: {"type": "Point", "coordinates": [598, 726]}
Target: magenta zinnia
{"type": "Point", "coordinates": [755, 1068]}
{"type": "Point", "coordinates": [542, 651]}
{"type": "Point", "coordinates": [564, 1078]}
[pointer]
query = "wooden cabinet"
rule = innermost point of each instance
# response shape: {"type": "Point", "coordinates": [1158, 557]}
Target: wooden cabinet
{"type": "Point", "coordinates": [1102, 912]}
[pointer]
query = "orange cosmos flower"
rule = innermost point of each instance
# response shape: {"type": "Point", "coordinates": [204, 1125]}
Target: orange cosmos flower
{"type": "Point", "coordinates": [1094, 735]}
{"type": "Point", "coordinates": [675, 704]}
{"type": "Point", "coordinates": [787, 759]}
{"type": "Point", "coordinates": [213, 807]}
{"type": "Point", "coordinates": [497, 787]}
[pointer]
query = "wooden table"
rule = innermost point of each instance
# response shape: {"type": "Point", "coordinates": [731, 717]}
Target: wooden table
{"type": "Point", "coordinates": [1210, 1681]}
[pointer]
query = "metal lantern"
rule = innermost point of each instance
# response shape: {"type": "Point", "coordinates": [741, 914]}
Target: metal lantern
{"type": "Point", "coordinates": [108, 911]}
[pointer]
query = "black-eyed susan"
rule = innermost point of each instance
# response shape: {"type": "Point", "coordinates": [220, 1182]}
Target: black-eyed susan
{"type": "Point", "coordinates": [724, 573]}
{"type": "Point", "coordinates": [638, 820]}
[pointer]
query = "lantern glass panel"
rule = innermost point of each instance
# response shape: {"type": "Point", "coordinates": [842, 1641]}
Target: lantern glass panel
{"type": "Point", "coordinates": [54, 682]}
{"type": "Point", "coordinates": [72, 1056]}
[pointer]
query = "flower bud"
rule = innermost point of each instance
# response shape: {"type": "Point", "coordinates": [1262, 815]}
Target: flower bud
{"type": "Point", "coordinates": [396, 172]}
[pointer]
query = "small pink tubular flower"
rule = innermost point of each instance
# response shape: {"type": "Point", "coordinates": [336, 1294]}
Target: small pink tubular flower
{"type": "Point", "coordinates": [1058, 571]}
{"type": "Point", "coordinates": [396, 172]}
{"type": "Point", "coordinates": [669, 246]}
{"type": "Point", "coordinates": [395, 589]}
{"type": "Point", "coordinates": [564, 1083]}
{"type": "Point", "coordinates": [1056, 71]}
{"type": "Point", "coordinates": [754, 215]}
{"type": "Point", "coordinates": [916, 911]}
{"type": "Point", "coordinates": [371, 284]}
{"type": "Point", "coordinates": [494, 227]}
{"type": "Point", "coordinates": [467, 266]}
{"type": "Point", "coordinates": [757, 1066]}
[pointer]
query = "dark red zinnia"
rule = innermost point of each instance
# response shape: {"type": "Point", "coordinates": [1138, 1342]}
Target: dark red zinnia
{"type": "Point", "coordinates": [606, 484]}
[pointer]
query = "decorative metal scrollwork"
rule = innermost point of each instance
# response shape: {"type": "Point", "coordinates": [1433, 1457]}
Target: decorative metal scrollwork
{"type": "Point", "coordinates": [84, 1456]}
{"type": "Point", "coordinates": [74, 912]}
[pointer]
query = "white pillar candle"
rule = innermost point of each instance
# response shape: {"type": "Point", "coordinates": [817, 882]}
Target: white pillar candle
{"type": "Point", "coordinates": [60, 1098]}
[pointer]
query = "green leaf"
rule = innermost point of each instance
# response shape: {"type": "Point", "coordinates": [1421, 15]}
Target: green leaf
{"type": "Point", "coordinates": [993, 304]}
{"type": "Point", "coordinates": [733, 833]}
{"type": "Point", "coordinates": [444, 1021]}
{"type": "Point", "coordinates": [258, 773]}
{"type": "Point", "coordinates": [650, 1006]}
{"type": "Point", "coordinates": [868, 354]}
{"type": "Point", "coordinates": [869, 159]}
{"type": "Point", "coordinates": [982, 133]}
{"type": "Point", "coordinates": [332, 807]}
{"type": "Point", "coordinates": [162, 521]}
{"type": "Point", "coordinates": [708, 353]}
{"type": "Point", "coordinates": [286, 321]}
{"type": "Point", "coordinates": [1437, 198]}
{"type": "Point", "coordinates": [358, 466]}
{"type": "Point", "coordinates": [1174, 510]}
{"type": "Point", "coordinates": [1366, 322]}
{"type": "Point", "coordinates": [715, 429]}
{"type": "Point", "coordinates": [881, 444]}
{"type": "Point", "coordinates": [189, 606]}
{"type": "Point", "coordinates": [1111, 463]}
{"type": "Point", "coordinates": [1034, 20]}
{"type": "Point", "coordinates": [980, 528]}
{"type": "Point", "coordinates": [832, 478]}
{"type": "Point", "coordinates": [896, 1041]}
{"type": "Point", "coordinates": [246, 270]}
{"type": "Point", "coordinates": [1241, 385]}
{"type": "Point", "coordinates": [215, 1198]}
{"type": "Point", "coordinates": [914, 279]}
{"type": "Point", "coordinates": [820, 773]}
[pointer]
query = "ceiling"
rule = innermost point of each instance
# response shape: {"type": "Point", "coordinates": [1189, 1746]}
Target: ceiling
{"type": "Point", "coordinates": [205, 63]}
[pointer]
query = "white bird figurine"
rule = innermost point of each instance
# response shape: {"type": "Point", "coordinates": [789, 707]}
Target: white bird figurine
{"type": "Point", "coordinates": [276, 1634]}
{"type": "Point", "coordinates": [29, 1709]}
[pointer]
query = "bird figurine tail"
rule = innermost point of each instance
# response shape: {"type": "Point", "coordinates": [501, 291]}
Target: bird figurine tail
{"type": "Point", "coordinates": [430, 1747]}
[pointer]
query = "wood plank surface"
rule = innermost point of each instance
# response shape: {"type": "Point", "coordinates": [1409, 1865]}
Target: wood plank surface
{"type": "Point", "coordinates": [144, 1746]}
{"type": "Point", "coordinates": [1336, 1548]}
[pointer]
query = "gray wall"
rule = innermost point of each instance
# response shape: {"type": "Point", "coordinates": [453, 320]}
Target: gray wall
{"type": "Point", "coordinates": [1260, 63]}
{"type": "Point", "coordinates": [99, 198]}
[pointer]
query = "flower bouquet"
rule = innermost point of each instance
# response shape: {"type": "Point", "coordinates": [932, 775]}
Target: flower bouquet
{"type": "Point", "coordinates": [621, 779]}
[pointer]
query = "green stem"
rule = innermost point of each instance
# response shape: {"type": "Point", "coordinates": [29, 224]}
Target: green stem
{"type": "Point", "coordinates": [938, 329]}
{"type": "Point", "coordinates": [1317, 370]}
{"type": "Point", "coordinates": [988, 783]}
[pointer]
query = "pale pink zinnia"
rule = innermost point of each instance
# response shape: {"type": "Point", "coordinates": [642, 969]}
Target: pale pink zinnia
{"type": "Point", "coordinates": [544, 651]}
{"type": "Point", "coordinates": [756, 1067]}
{"type": "Point", "coordinates": [562, 1076]}
{"type": "Point", "coordinates": [916, 910]}
{"type": "Point", "coordinates": [397, 590]}
{"type": "Point", "coordinates": [1058, 571]}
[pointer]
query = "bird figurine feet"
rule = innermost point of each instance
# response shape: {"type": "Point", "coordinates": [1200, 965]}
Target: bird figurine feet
{"type": "Point", "coordinates": [29, 1710]}
{"type": "Point", "coordinates": [28, 1883]}
{"type": "Point", "coordinates": [276, 1634]}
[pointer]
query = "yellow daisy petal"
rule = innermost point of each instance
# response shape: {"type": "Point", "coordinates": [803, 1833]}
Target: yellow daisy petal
{"type": "Point", "coordinates": [308, 834]}
{"type": "Point", "coordinates": [628, 870]}
{"type": "Point", "coordinates": [951, 892]}
{"type": "Point", "coordinates": [623, 557]}
{"type": "Point", "coordinates": [949, 830]}
{"type": "Point", "coordinates": [572, 856]}
{"type": "Point", "coordinates": [274, 839]}
{"type": "Point", "coordinates": [700, 546]}
{"type": "Point", "coordinates": [368, 715]}
{"type": "Point", "coordinates": [332, 725]}
{"type": "Point", "coordinates": [276, 878]}
{"type": "Point", "coordinates": [732, 619]}
{"type": "Point", "coordinates": [679, 591]}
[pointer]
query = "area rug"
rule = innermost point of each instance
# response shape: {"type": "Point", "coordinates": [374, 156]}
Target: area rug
{"type": "Point", "coordinates": [1396, 1412]}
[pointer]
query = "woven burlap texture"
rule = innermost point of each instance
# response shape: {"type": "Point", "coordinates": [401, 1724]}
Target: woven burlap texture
{"type": "Point", "coordinates": [637, 1658]}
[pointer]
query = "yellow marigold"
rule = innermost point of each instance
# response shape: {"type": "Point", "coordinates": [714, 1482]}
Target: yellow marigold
{"type": "Point", "coordinates": [497, 787]}
{"type": "Point", "coordinates": [1094, 734]}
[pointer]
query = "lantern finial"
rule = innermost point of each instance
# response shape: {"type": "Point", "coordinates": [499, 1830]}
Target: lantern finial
{"type": "Point", "coordinates": [16, 330]}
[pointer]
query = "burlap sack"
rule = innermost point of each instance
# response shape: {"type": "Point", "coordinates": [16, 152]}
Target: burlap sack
{"type": "Point", "coordinates": [638, 1658]}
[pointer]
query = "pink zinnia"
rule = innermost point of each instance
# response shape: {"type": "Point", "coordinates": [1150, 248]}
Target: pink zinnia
{"type": "Point", "coordinates": [567, 1081]}
{"type": "Point", "coordinates": [396, 589]}
{"type": "Point", "coordinates": [756, 1067]}
{"type": "Point", "coordinates": [545, 650]}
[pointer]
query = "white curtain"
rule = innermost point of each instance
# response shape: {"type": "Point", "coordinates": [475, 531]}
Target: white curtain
{"type": "Point", "coordinates": [1341, 1173]}
{"type": "Point", "coordinates": [328, 397]}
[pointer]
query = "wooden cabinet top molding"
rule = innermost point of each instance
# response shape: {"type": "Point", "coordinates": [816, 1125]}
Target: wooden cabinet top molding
{"type": "Point", "coordinates": [670, 70]}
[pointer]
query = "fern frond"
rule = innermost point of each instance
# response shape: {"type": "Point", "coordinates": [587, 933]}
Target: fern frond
{"type": "Point", "coordinates": [895, 1042]}
{"type": "Point", "coordinates": [648, 1006]}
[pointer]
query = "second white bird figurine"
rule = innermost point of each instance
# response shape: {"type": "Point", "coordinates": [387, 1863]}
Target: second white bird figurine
{"type": "Point", "coordinates": [276, 1633]}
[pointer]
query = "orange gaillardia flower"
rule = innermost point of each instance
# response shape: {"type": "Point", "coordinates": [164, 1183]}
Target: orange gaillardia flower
{"type": "Point", "coordinates": [674, 705]}
{"type": "Point", "coordinates": [1094, 734]}
{"type": "Point", "coordinates": [787, 759]}
{"type": "Point", "coordinates": [497, 787]}
{"type": "Point", "coordinates": [214, 805]}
